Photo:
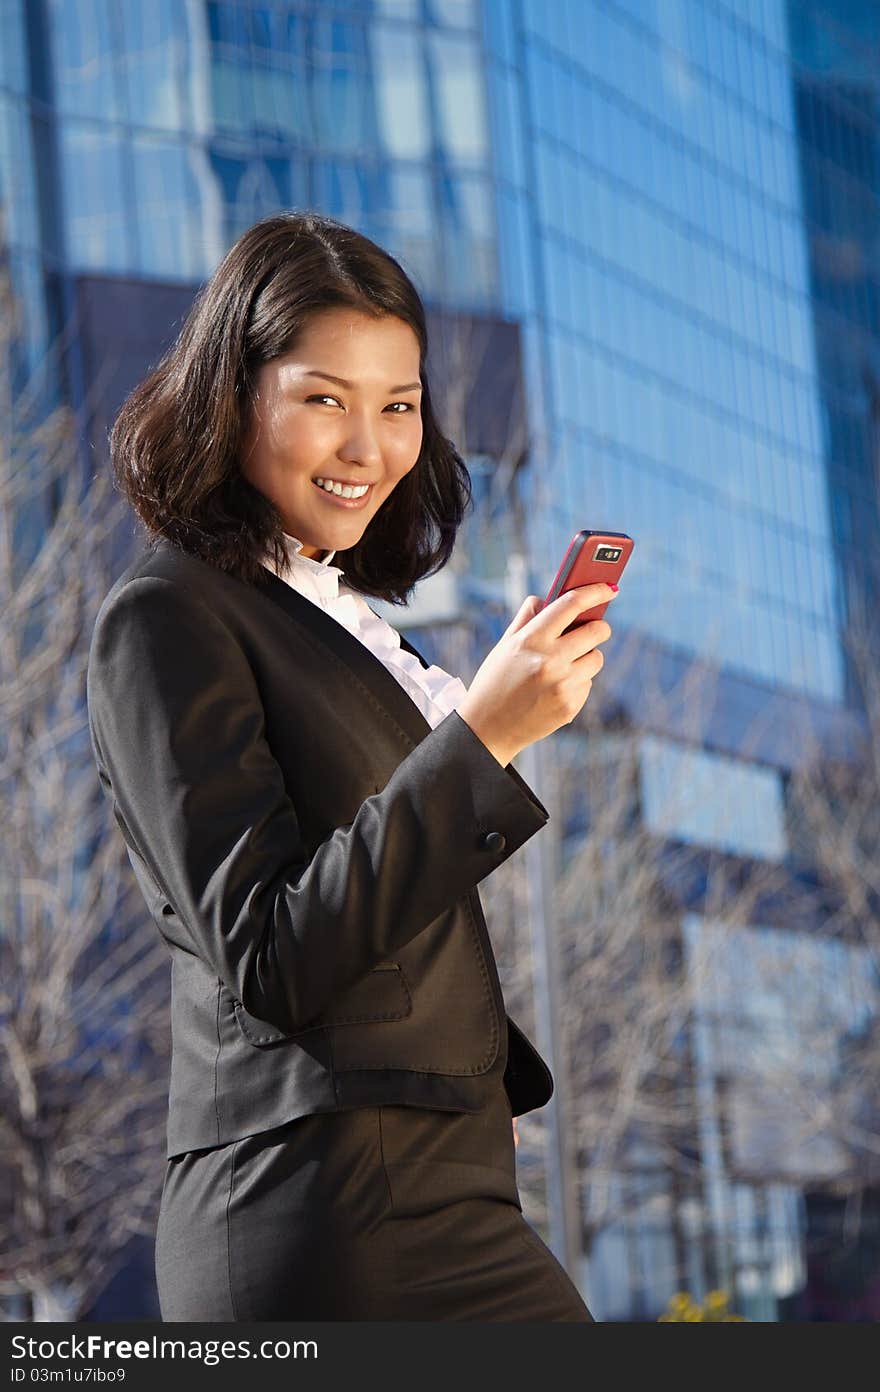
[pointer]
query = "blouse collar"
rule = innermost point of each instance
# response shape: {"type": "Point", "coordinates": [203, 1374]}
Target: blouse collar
{"type": "Point", "coordinates": [294, 550]}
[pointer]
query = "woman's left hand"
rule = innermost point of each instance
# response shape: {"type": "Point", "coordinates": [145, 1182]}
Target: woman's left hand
{"type": "Point", "coordinates": [515, 1136]}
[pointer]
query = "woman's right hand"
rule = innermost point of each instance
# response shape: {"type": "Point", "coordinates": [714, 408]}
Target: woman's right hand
{"type": "Point", "coordinates": [537, 678]}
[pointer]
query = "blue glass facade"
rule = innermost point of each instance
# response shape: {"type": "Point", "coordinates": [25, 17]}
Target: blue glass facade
{"type": "Point", "coordinates": [661, 264]}
{"type": "Point", "coordinates": [835, 96]}
{"type": "Point", "coordinates": [675, 200]}
{"type": "Point", "coordinates": [177, 126]}
{"type": "Point", "coordinates": [687, 197]}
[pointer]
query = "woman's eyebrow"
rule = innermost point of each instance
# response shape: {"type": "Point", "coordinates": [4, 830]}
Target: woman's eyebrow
{"type": "Point", "coordinates": [341, 382]}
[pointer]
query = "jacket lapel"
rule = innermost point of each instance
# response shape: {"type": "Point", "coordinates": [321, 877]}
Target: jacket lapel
{"type": "Point", "coordinates": [372, 673]}
{"type": "Point", "coordinates": [369, 670]}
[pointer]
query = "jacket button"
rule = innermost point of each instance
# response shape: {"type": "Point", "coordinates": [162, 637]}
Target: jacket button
{"type": "Point", "coordinates": [494, 841]}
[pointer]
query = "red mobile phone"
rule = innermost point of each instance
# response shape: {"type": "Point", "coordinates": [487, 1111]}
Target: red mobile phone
{"type": "Point", "coordinates": [591, 556]}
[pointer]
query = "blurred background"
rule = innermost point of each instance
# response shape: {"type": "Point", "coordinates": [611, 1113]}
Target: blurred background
{"type": "Point", "coordinates": [646, 232]}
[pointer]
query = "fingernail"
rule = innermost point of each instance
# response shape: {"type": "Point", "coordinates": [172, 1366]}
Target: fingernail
{"type": "Point", "coordinates": [615, 588]}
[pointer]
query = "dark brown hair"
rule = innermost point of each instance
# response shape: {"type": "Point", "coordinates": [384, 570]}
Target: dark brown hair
{"type": "Point", "coordinates": [175, 444]}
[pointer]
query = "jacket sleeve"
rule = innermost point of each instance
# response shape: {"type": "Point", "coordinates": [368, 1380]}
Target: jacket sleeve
{"type": "Point", "coordinates": [177, 730]}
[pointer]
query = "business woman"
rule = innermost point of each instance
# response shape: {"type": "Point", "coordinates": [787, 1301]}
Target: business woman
{"type": "Point", "coordinates": [309, 807]}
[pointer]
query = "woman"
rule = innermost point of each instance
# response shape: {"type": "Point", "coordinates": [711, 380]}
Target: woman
{"type": "Point", "coordinates": [309, 807]}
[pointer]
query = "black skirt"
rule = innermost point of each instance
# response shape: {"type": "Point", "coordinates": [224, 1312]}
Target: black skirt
{"type": "Point", "coordinates": [379, 1213]}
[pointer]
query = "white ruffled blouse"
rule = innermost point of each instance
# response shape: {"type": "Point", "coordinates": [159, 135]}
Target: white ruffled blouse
{"type": "Point", "coordinates": [434, 691]}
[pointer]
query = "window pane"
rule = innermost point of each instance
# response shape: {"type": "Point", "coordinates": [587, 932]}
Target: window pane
{"type": "Point", "coordinates": [398, 9]}
{"type": "Point", "coordinates": [469, 250]}
{"type": "Point", "coordinates": [712, 799]}
{"type": "Point", "coordinates": [282, 97]}
{"type": "Point", "coordinates": [13, 56]}
{"type": "Point", "coordinates": [342, 96]}
{"type": "Point", "coordinates": [250, 187]}
{"type": "Point", "coordinates": [18, 207]}
{"type": "Point", "coordinates": [354, 193]}
{"type": "Point", "coordinates": [168, 182]}
{"type": "Point", "coordinates": [85, 58]}
{"type": "Point", "coordinates": [156, 46]}
{"type": "Point", "coordinates": [458, 82]}
{"type": "Point", "coordinates": [93, 175]}
{"type": "Point", "coordinates": [411, 224]}
{"type": "Point", "coordinates": [460, 13]}
{"type": "Point", "coordinates": [404, 123]}
{"type": "Point", "coordinates": [231, 86]}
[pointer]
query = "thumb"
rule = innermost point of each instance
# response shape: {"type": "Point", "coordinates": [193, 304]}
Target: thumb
{"type": "Point", "coordinates": [530, 606]}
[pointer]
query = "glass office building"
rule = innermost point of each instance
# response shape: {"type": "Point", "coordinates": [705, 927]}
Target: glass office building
{"type": "Point", "coordinates": [687, 204]}
{"type": "Point", "coordinates": [675, 202]}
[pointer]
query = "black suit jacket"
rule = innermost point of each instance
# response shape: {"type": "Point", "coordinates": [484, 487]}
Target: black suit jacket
{"type": "Point", "coordinates": [310, 849]}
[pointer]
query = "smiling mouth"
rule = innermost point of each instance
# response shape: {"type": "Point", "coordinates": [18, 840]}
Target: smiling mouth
{"type": "Point", "coordinates": [343, 483]}
{"type": "Point", "coordinates": [356, 502]}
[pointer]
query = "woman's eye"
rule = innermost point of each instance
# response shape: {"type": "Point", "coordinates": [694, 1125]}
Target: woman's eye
{"type": "Point", "coordinates": [406, 404]}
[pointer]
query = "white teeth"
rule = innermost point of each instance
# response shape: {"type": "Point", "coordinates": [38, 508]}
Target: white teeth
{"type": "Point", "coordinates": [342, 490]}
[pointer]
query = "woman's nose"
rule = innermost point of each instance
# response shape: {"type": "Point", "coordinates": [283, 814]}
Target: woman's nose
{"type": "Point", "coordinates": [360, 444]}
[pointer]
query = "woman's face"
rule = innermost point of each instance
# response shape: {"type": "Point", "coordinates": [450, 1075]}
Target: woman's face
{"type": "Point", "coordinates": [306, 427]}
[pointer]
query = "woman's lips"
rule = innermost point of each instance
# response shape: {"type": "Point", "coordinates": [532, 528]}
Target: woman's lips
{"type": "Point", "coordinates": [353, 503]}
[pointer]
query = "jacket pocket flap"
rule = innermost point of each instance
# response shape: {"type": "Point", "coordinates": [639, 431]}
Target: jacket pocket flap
{"type": "Point", "coordinates": [383, 994]}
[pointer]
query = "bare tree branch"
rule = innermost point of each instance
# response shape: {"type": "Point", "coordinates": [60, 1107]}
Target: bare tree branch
{"type": "Point", "coordinates": [84, 1028]}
